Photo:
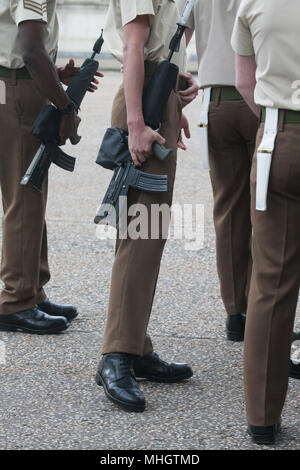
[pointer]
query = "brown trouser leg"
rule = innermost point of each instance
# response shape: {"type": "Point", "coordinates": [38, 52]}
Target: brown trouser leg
{"type": "Point", "coordinates": [275, 282]}
{"type": "Point", "coordinates": [137, 262]}
{"type": "Point", "coordinates": [24, 268]}
{"type": "Point", "coordinates": [232, 131]}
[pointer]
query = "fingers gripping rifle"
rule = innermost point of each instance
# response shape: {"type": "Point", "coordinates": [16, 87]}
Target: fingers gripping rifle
{"type": "Point", "coordinates": [114, 155]}
{"type": "Point", "coordinates": [46, 126]}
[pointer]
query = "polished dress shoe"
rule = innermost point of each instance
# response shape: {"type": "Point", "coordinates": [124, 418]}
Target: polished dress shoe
{"type": "Point", "coordinates": [154, 369]}
{"type": "Point", "coordinates": [295, 357]}
{"type": "Point", "coordinates": [235, 327]}
{"type": "Point", "coordinates": [294, 370]}
{"type": "Point", "coordinates": [33, 321]}
{"type": "Point", "coordinates": [115, 374]}
{"type": "Point", "coordinates": [265, 435]}
{"type": "Point", "coordinates": [57, 310]}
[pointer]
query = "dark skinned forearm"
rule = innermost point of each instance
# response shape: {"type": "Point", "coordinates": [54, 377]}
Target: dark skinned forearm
{"type": "Point", "coordinates": [40, 64]}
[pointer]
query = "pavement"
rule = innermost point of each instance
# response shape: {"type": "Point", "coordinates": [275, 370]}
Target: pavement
{"type": "Point", "coordinates": [49, 399]}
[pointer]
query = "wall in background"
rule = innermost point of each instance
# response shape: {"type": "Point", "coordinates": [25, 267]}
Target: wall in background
{"type": "Point", "coordinates": [80, 25]}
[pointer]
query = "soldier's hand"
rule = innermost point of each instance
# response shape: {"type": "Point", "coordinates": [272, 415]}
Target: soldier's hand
{"type": "Point", "coordinates": [140, 141]}
{"type": "Point", "coordinates": [68, 127]}
{"type": "Point", "coordinates": [67, 73]}
{"type": "Point", "coordinates": [188, 95]}
{"type": "Point", "coordinates": [186, 129]}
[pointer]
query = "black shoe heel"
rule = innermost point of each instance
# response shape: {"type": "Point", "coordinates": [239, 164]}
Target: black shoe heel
{"type": "Point", "coordinates": [264, 435]}
{"type": "Point", "coordinates": [232, 336]}
{"type": "Point", "coordinates": [263, 440]}
{"type": "Point", "coordinates": [295, 374]}
{"type": "Point", "coordinates": [235, 327]}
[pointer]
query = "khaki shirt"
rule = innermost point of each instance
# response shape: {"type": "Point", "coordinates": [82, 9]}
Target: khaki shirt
{"type": "Point", "coordinates": [213, 21]}
{"type": "Point", "coordinates": [163, 18]}
{"type": "Point", "coordinates": [270, 30]}
{"type": "Point", "coordinates": [12, 13]}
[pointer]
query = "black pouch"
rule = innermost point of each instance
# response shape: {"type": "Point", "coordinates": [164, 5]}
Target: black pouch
{"type": "Point", "coordinates": [114, 150]}
{"type": "Point", "coordinates": [46, 125]}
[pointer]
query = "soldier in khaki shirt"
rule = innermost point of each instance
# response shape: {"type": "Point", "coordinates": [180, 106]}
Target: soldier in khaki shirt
{"type": "Point", "coordinates": [138, 33]}
{"type": "Point", "coordinates": [266, 40]}
{"type": "Point", "coordinates": [231, 133]}
{"type": "Point", "coordinates": [28, 77]}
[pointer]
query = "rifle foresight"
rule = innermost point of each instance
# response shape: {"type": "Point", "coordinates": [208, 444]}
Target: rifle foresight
{"type": "Point", "coordinates": [98, 45]}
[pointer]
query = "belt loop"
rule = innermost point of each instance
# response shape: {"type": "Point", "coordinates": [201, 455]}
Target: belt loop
{"type": "Point", "coordinates": [281, 120]}
{"type": "Point", "coordinates": [14, 77]}
{"type": "Point", "coordinates": [218, 96]}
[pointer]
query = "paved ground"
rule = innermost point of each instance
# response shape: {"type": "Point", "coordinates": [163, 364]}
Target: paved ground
{"type": "Point", "coordinates": [48, 396]}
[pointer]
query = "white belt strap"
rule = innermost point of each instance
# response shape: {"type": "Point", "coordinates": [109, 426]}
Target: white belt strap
{"type": "Point", "coordinates": [203, 127]}
{"type": "Point", "coordinates": [264, 158]}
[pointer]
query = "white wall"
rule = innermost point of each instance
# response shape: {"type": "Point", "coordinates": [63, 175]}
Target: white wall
{"type": "Point", "coordinates": [80, 25]}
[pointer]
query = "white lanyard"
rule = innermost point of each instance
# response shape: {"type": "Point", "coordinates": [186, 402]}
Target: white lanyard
{"type": "Point", "coordinates": [264, 158]}
{"type": "Point", "coordinates": [203, 127]}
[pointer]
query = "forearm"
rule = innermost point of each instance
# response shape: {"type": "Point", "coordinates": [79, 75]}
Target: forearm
{"type": "Point", "coordinates": [134, 76]}
{"type": "Point", "coordinates": [248, 95]}
{"type": "Point", "coordinates": [246, 81]}
{"type": "Point", "coordinates": [188, 35]}
{"type": "Point", "coordinates": [43, 72]}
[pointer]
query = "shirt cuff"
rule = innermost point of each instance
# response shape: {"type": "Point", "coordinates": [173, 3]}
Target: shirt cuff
{"type": "Point", "coordinates": [130, 10]}
{"type": "Point", "coordinates": [241, 41]}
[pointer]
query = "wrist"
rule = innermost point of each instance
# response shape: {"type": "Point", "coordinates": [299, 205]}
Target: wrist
{"type": "Point", "coordinates": [68, 108]}
{"type": "Point", "coordinates": [58, 70]}
{"type": "Point", "coordinates": [134, 122]}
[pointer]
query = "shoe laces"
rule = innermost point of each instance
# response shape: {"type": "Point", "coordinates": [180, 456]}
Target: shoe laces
{"type": "Point", "coordinates": [126, 370]}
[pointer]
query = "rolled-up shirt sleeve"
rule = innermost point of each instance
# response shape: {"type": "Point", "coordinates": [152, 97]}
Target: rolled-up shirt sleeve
{"type": "Point", "coordinates": [241, 40]}
{"type": "Point", "coordinates": [24, 10]}
{"type": "Point", "coordinates": [130, 9]}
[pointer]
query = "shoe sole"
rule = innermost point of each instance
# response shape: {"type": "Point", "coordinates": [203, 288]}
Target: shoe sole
{"type": "Point", "coordinates": [164, 380]}
{"type": "Point", "coordinates": [234, 336]}
{"type": "Point", "coordinates": [262, 440]}
{"type": "Point", "coordinates": [50, 331]}
{"type": "Point", "coordinates": [125, 406]}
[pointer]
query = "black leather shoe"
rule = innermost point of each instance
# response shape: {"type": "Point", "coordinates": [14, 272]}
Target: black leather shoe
{"type": "Point", "coordinates": [57, 310]}
{"type": "Point", "coordinates": [235, 327]}
{"type": "Point", "coordinates": [33, 321]}
{"type": "Point", "coordinates": [295, 357]}
{"type": "Point", "coordinates": [265, 435]}
{"type": "Point", "coordinates": [294, 370]}
{"type": "Point", "coordinates": [154, 369]}
{"type": "Point", "coordinates": [115, 374]}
